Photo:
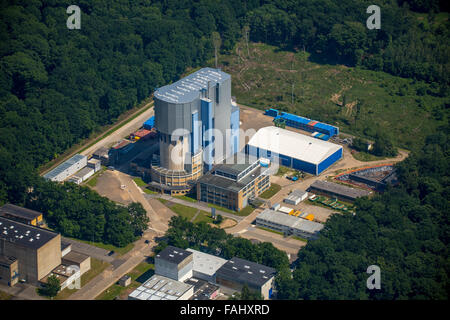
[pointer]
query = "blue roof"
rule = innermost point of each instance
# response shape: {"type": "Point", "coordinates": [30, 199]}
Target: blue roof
{"type": "Point", "coordinates": [293, 117]}
{"type": "Point", "coordinates": [150, 121]}
{"type": "Point", "coordinates": [187, 89]}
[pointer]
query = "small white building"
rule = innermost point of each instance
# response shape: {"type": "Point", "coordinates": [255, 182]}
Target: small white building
{"type": "Point", "coordinates": [206, 265]}
{"type": "Point", "coordinates": [96, 164]}
{"type": "Point", "coordinates": [295, 197]}
{"type": "Point", "coordinates": [285, 210]}
{"type": "Point", "coordinates": [67, 168]}
{"type": "Point", "coordinates": [84, 173]}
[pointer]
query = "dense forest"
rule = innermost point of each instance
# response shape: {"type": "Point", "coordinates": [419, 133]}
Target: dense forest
{"type": "Point", "coordinates": [404, 231]}
{"type": "Point", "coordinates": [58, 85]}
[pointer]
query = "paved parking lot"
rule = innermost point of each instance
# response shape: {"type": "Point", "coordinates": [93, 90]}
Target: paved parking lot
{"type": "Point", "coordinates": [95, 252]}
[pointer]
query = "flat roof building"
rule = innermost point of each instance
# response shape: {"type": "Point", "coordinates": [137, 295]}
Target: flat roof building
{"type": "Point", "coordinates": [206, 265]}
{"type": "Point", "coordinates": [288, 224]}
{"type": "Point", "coordinates": [338, 191]}
{"type": "Point", "coordinates": [37, 250]}
{"type": "Point", "coordinates": [67, 168]}
{"type": "Point", "coordinates": [295, 197]}
{"type": "Point", "coordinates": [203, 290]}
{"type": "Point", "coordinates": [237, 272]}
{"type": "Point", "coordinates": [162, 288]}
{"type": "Point", "coordinates": [232, 184]}
{"type": "Point", "coordinates": [21, 214]}
{"type": "Point", "coordinates": [309, 154]}
{"type": "Point", "coordinates": [174, 263]}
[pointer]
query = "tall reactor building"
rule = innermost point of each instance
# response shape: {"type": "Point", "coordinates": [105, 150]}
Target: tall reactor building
{"type": "Point", "coordinates": [198, 126]}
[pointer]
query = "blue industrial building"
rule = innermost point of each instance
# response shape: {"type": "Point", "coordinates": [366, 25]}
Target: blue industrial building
{"type": "Point", "coordinates": [320, 130]}
{"type": "Point", "coordinates": [294, 150]}
{"type": "Point", "coordinates": [150, 123]}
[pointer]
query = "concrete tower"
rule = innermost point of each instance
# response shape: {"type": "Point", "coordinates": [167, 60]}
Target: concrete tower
{"type": "Point", "coordinates": [198, 127]}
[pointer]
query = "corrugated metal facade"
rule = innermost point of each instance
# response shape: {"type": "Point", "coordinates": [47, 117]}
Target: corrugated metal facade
{"type": "Point", "coordinates": [296, 163]}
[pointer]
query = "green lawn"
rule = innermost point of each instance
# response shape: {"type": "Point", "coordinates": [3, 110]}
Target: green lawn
{"type": "Point", "coordinates": [246, 211]}
{"type": "Point", "coordinates": [204, 216]}
{"type": "Point", "coordinates": [388, 103]}
{"type": "Point", "coordinates": [140, 182]}
{"type": "Point", "coordinates": [139, 275]}
{"type": "Point", "coordinates": [269, 193]}
{"type": "Point", "coordinates": [183, 211]}
{"type": "Point", "coordinates": [150, 191]}
{"type": "Point", "coordinates": [97, 267]}
{"type": "Point", "coordinates": [364, 156]}
{"type": "Point", "coordinates": [187, 198]}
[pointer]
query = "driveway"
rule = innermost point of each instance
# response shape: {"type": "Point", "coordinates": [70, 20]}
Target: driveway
{"type": "Point", "coordinates": [90, 250]}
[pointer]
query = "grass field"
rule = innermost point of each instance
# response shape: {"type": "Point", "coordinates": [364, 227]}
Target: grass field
{"type": "Point", "coordinates": [139, 275]}
{"type": "Point", "coordinates": [183, 211]}
{"type": "Point", "coordinates": [273, 78]}
{"type": "Point", "coordinates": [140, 182]}
{"type": "Point", "coordinates": [97, 267]}
{"type": "Point", "coordinates": [269, 193]}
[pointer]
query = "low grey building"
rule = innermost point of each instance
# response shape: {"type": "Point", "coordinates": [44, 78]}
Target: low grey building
{"type": "Point", "coordinates": [239, 272]}
{"type": "Point", "coordinates": [295, 197]}
{"type": "Point", "coordinates": [287, 224]}
{"type": "Point", "coordinates": [338, 191]}
{"type": "Point", "coordinates": [67, 168]}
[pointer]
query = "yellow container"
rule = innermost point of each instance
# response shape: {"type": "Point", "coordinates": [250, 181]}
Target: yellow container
{"type": "Point", "coordinates": [310, 217]}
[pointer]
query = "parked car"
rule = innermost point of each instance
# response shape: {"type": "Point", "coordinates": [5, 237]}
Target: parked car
{"type": "Point", "coordinates": [111, 253]}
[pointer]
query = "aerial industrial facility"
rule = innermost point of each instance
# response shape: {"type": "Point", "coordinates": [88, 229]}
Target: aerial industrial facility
{"type": "Point", "coordinates": [186, 114]}
{"type": "Point", "coordinates": [191, 274]}
{"type": "Point", "coordinates": [293, 149]}
{"type": "Point", "coordinates": [32, 254]}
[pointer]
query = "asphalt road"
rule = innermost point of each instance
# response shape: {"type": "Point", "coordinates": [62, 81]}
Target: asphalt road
{"type": "Point", "coordinates": [122, 132]}
{"type": "Point", "coordinates": [140, 252]}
